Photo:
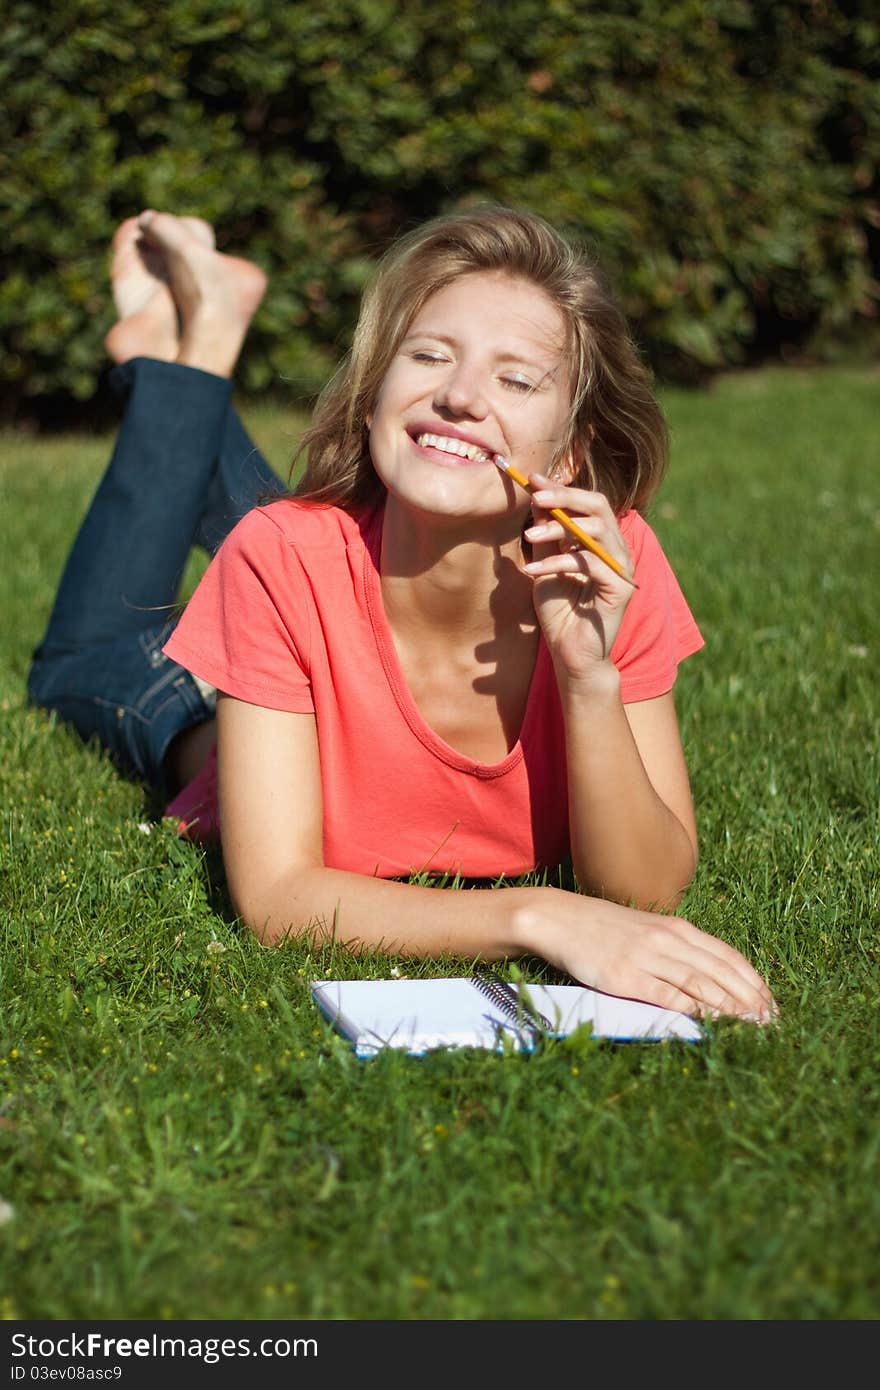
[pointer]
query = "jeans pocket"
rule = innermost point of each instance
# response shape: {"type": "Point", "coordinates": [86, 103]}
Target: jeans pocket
{"type": "Point", "coordinates": [126, 694]}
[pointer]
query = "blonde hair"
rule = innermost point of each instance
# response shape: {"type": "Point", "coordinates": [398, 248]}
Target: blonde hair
{"type": "Point", "coordinates": [617, 435]}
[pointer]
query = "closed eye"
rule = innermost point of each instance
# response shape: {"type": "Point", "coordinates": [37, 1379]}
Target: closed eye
{"type": "Point", "coordinates": [523, 385]}
{"type": "Point", "coordinates": [431, 359]}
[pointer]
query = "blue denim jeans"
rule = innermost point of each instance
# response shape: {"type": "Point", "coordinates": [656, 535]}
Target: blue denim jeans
{"type": "Point", "coordinates": [183, 472]}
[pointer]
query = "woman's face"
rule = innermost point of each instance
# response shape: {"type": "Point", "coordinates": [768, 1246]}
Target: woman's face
{"type": "Point", "coordinates": [480, 371]}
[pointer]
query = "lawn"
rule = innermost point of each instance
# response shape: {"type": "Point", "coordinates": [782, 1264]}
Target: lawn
{"type": "Point", "coordinates": [182, 1137]}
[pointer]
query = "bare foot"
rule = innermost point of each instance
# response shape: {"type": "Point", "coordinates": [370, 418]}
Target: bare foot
{"type": "Point", "coordinates": [216, 295]}
{"type": "Point", "coordinates": [147, 325]}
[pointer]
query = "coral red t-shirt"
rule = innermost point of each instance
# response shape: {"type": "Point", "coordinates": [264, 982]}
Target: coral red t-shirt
{"type": "Point", "coordinates": [289, 616]}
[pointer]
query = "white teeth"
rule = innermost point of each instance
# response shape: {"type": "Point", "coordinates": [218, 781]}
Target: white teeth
{"type": "Point", "coordinates": [453, 446]}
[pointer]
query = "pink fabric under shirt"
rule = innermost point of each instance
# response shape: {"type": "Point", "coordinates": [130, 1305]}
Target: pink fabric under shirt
{"type": "Point", "coordinates": [289, 616]}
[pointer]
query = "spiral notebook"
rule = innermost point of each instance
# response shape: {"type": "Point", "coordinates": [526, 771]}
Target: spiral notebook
{"type": "Point", "coordinates": [483, 1010]}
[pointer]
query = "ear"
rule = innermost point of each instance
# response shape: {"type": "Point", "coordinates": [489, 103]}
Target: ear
{"type": "Point", "coordinates": [565, 469]}
{"type": "Point", "coordinates": [575, 461]}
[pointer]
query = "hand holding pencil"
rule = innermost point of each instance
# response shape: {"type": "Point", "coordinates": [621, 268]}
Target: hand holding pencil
{"type": "Point", "coordinates": [566, 521]}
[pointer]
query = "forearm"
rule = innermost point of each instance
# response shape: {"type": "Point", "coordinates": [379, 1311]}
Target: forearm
{"type": "Point", "coordinates": [639, 955]}
{"type": "Point", "coordinates": [359, 911]}
{"type": "Point", "coordinates": [627, 844]}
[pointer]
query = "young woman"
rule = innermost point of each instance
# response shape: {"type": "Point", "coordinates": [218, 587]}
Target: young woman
{"type": "Point", "coordinates": [417, 672]}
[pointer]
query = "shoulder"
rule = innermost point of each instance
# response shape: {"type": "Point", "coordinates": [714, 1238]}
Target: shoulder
{"type": "Point", "coordinates": [658, 629]}
{"type": "Point", "coordinates": [291, 534]}
{"type": "Point", "coordinates": [653, 569]}
{"type": "Point", "coordinates": [301, 523]}
{"type": "Point", "coordinates": [640, 537]}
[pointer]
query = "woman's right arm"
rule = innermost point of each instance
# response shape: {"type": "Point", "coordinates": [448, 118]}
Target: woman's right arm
{"type": "Point", "coordinates": [271, 814]}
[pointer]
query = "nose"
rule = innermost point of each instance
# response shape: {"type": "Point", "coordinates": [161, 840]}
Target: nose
{"type": "Point", "coordinates": [461, 394]}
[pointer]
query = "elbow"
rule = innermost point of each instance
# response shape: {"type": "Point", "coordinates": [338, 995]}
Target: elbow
{"type": "Point", "coordinates": [272, 931]}
{"type": "Point", "coordinates": [665, 903]}
{"type": "Point", "coordinates": [259, 911]}
{"type": "Point", "coordinates": [282, 915]}
{"type": "Point", "coordinates": [265, 927]}
{"type": "Point", "coordinates": [661, 892]}
{"type": "Point", "coordinates": [674, 878]}
{"type": "Point", "coordinates": [274, 900]}
{"type": "Point", "coordinates": [668, 899]}
{"type": "Point", "coordinates": [269, 934]}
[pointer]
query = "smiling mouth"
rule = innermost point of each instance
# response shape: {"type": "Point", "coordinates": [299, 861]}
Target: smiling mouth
{"type": "Point", "coordinates": [472, 452]}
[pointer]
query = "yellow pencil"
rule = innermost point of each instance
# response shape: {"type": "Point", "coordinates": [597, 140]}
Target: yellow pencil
{"type": "Point", "coordinates": [565, 520]}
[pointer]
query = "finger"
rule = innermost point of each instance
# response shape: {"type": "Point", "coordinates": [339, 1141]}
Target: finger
{"type": "Point", "coordinates": [579, 503]}
{"type": "Point", "coordinates": [731, 957]}
{"type": "Point", "coordinates": [577, 564]}
{"type": "Point", "coordinates": [592, 539]}
{"type": "Point", "coordinates": [662, 966]}
{"type": "Point", "coordinates": [706, 941]}
{"type": "Point", "coordinates": [592, 534]}
{"type": "Point", "coordinates": [548, 494]}
{"type": "Point", "coordinates": [549, 529]}
{"type": "Point", "coordinates": [714, 987]}
{"type": "Point", "coordinates": [703, 968]}
{"type": "Point", "coordinates": [702, 1001]}
{"type": "Point", "coordinates": [652, 990]}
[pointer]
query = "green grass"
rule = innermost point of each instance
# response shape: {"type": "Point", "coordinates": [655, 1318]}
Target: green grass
{"type": "Point", "coordinates": [182, 1137]}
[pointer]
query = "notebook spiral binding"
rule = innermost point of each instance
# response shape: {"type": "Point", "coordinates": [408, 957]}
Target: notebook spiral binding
{"type": "Point", "coordinates": [505, 998]}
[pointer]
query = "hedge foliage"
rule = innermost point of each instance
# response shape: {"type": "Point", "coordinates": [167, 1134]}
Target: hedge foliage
{"type": "Point", "coordinates": [720, 156]}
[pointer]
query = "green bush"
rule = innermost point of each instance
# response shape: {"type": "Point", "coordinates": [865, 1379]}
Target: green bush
{"type": "Point", "coordinates": [719, 155]}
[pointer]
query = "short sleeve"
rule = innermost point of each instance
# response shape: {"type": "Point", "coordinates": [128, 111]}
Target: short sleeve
{"type": "Point", "coordinates": [245, 630]}
{"type": "Point", "coordinates": [658, 629]}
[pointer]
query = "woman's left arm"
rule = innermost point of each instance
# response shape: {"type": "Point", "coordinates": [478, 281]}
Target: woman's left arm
{"type": "Point", "coordinates": [631, 817]}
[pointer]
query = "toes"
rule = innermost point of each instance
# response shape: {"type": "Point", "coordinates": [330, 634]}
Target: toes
{"type": "Point", "coordinates": [201, 230]}
{"type": "Point", "coordinates": [177, 235]}
{"type": "Point", "coordinates": [126, 234]}
{"type": "Point", "coordinates": [163, 229]}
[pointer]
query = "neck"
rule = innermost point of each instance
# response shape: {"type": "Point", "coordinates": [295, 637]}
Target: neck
{"type": "Point", "coordinates": [461, 580]}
